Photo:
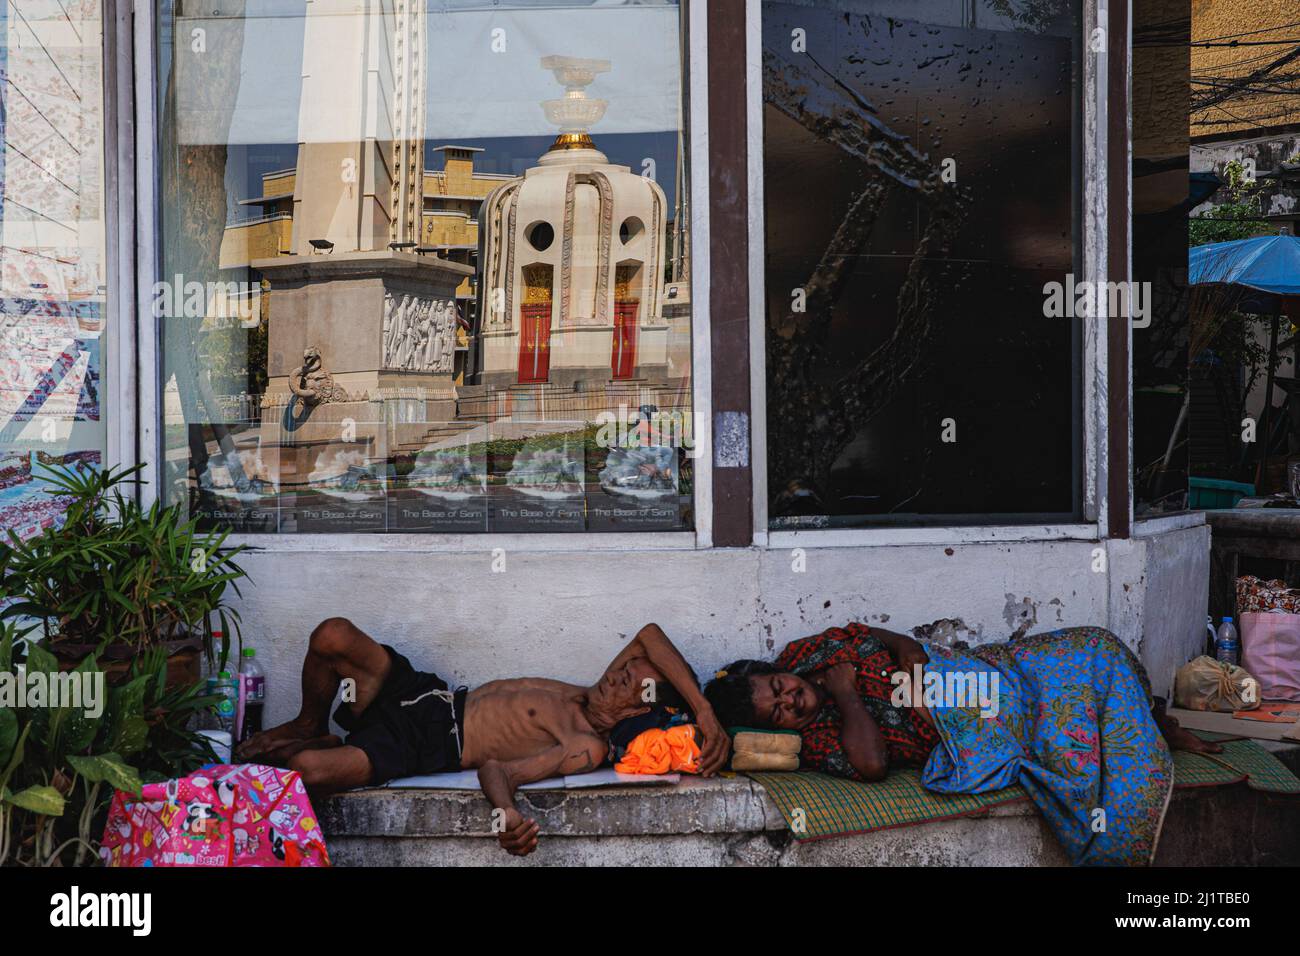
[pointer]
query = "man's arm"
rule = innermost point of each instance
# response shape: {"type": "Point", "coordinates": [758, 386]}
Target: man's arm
{"type": "Point", "coordinates": [500, 778]}
{"type": "Point", "coordinates": [653, 644]}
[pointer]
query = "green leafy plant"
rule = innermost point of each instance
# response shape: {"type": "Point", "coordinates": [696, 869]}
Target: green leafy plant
{"type": "Point", "coordinates": [1036, 15]}
{"type": "Point", "coordinates": [1240, 218]}
{"type": "Point", "coordinates": [59, 765]}
{"type": "Point", "coordinates": [118, 573]}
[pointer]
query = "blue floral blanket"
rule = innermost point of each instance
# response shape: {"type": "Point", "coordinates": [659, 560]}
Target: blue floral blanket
{"type": "Point", "coordinates": [1067, 715]}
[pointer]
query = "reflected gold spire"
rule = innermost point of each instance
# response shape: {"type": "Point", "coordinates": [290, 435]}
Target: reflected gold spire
{"type": "Point", "coordinates": [574, 114]}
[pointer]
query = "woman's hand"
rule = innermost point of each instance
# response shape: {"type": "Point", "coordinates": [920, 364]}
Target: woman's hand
{"type": "Point", "coordinates": [910, 655]}
{"type": "Point", "coordinates": [860, 736]}
{"type": "Point", "coordinates": [840, 679]}
{"type": "Point", "coordinates": [912, 658]}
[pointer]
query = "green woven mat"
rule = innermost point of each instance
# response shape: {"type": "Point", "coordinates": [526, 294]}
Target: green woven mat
{"type": "Point", "coordinates": [1240, 760]}
{"type": "Point", "coordinates": [815, 805]}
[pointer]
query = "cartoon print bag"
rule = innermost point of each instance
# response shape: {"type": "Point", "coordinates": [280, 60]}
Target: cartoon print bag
{"type": "Point", "coordinates": [220, 815]}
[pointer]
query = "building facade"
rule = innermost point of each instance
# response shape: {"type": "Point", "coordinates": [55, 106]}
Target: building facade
{"type": "Point", "coordinates": [799, 370]}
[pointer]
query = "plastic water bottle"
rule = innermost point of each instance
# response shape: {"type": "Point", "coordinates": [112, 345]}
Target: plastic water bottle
{"type": "Point", "coordinates": [254, 693]}
{"type": "Point", "coordinates": [1227, 648]}
{"type": "Point", "coordinates": [229, 691]}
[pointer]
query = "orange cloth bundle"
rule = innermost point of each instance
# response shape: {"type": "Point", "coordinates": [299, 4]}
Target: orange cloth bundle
{"type": "Point", "coordinates": [662, 751]}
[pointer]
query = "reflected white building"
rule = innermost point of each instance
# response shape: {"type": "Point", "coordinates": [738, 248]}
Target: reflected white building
{"type": "Point", "coordinates": [573, 259]}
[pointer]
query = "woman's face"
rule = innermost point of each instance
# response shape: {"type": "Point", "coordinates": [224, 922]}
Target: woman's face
{"type": "Point", "coordinates": [784, 701]}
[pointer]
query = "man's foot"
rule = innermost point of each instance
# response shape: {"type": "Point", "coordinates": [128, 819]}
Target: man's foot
{"type": "Point", "coordinates": [279, 756]}
{"type": "Point", "coordinates": [1180, 738]}
{"type": "Point", "coordinates": [267, 741]}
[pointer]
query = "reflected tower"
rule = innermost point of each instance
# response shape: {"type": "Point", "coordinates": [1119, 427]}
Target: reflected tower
{"type": "Point", "coordinates": [361, 322]}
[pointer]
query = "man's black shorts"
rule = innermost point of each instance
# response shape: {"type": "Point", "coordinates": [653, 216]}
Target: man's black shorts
{"type": "Point", "coordinates": [413, 727]}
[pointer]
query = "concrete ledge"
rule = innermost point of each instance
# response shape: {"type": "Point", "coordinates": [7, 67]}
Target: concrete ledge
{"type": "Point", "coordinates": [730, 821]}
{"type": "Point", "coordinates": [719, 822]}
{"type": "Point", "coordinates": [719, 805]}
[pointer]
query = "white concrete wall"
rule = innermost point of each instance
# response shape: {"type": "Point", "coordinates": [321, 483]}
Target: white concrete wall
{"type": "Point", "coordinates": [565, 615]}
{"type": "Point", "coordinates": [1176, 601]}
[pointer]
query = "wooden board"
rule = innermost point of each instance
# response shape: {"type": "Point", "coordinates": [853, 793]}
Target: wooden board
{"type": "Point", "coordinates": [1227, 724]}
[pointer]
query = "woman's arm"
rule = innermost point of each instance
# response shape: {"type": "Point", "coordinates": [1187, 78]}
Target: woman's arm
{"type": "Point", "coordinates": [860, 736]}
{"type": "Point", "coordinates": [902, 648]}
{"type": "Point", "coordinates": [911, 658]}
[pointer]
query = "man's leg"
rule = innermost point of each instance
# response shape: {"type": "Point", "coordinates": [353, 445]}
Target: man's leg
{"type": "Point", "coordinates": [337, 651]}
{"type": "Point", "coordinates": [329, 771]}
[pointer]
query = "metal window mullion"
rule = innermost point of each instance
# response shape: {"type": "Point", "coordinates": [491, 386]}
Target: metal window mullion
{"type": "Point", "coordinates": [149, 369]}
{"type": "Point", "coordinates": [757, 260]}
{"type": "Point", "coordinates": [120, 407]}
{"type": "Point", "coordinates": [1095, 253]}
{"type": "Point", "coordinates": [701, 346]}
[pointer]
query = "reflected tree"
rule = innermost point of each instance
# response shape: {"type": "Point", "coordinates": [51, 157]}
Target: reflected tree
{"type": "Point", "coordinates": [1036, 15]}
{"type": "Point", "coordinates": [202, 86]}
{"type": "Point", "coordinates": [819, 420]}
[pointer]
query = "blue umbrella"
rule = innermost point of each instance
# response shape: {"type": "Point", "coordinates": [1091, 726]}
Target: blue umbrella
{"type": "Point", "coordinates": [1266, 263]}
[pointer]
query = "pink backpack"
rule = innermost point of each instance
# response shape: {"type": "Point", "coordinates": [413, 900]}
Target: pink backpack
{"type": "Point", "coordinates": [221, 815]}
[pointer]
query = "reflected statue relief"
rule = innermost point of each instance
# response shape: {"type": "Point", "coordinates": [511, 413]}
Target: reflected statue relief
{"type": "Point", "coordinates": [419, 333]}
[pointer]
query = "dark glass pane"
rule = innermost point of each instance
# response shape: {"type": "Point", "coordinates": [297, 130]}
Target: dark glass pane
{"type": "Point", "coordinates": [920, 190]}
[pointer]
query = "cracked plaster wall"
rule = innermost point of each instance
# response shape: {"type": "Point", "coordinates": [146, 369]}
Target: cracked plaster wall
{"type": "Point", "coordinates": [565, 615]}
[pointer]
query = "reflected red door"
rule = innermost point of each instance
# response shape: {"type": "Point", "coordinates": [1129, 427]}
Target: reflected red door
{"type": "Point", "coordinates": [535, 342]}
{"type": "Point", "coordinates": [623, 359]}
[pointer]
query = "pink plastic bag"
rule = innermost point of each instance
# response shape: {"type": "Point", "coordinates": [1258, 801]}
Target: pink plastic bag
{"type": "Point", "coordinates": [221, 815]}
{"type": "Point", "coordinates": [1270, 652]}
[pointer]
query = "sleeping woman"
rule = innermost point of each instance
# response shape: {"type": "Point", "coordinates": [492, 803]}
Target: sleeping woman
{"type": "Point", "coordinates": [1067, 714]}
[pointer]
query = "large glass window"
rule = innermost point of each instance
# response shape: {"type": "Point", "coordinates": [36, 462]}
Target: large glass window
{"type": "Point", "coordinates": [52, 254]}
{"type": "Point", "coordinates": [921, 196]}
{"type": "Point", "coordinates": [425, 265]}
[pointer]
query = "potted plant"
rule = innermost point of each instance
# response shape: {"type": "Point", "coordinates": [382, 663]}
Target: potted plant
{"type": "Point", "coordinates": [59, 765]}
{"type": "Point", "coordinates": [118, 579]}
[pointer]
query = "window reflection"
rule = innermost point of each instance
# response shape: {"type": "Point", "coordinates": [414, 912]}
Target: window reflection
{"type": "Point", "coordinates": [426, 266]}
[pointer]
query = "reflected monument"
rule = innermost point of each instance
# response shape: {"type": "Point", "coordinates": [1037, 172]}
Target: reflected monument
{"type": "Point", "coordinates": [573, 258]}
{"type": "Point", "coordinates": [357, 324]}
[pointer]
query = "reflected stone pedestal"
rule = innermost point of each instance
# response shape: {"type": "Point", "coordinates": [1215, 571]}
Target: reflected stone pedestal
{"type": "Point", "coordinates": [357, 342]}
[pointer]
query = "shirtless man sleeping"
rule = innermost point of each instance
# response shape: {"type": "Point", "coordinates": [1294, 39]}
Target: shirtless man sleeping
{"type": "Point", "coordinates": [401, 722]}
